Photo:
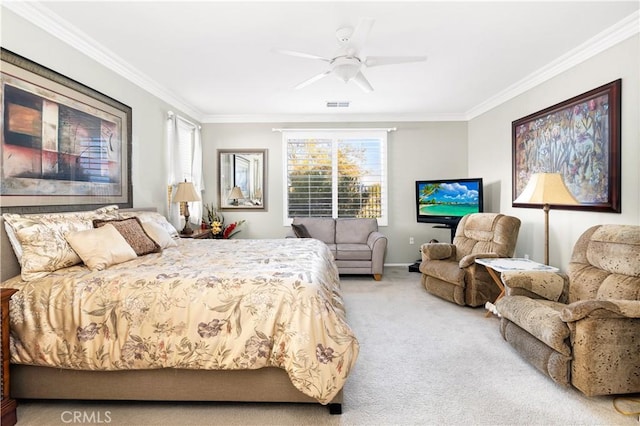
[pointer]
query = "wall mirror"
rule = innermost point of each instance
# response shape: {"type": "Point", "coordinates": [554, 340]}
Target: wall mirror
{"type": "Point", "coordinates": [242, 176]}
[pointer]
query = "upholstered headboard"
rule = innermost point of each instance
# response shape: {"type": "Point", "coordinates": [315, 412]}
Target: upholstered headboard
{"type": "Point", "coordinates": [9, 263]}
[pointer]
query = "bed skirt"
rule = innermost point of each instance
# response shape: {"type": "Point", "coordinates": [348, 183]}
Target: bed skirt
{"type": "Point", "coordinates": [262, 385]}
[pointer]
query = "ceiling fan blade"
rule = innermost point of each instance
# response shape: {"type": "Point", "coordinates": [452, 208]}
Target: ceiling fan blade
{"type": "Point", "coordinates": [362, 82]}
{"type": "Point", "coordinates": [313, 79]}
{"type": "Point", "coordinates": [376, 61]}
{"type": "Point", "coordinates": [361, 33]}
{"type": "Point", "coordinates": [300, 54]}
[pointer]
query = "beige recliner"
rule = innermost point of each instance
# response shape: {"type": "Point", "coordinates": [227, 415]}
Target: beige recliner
{"type": "Point", "coordinates": [581, 328]}
{"type": "Point", "coordinates": [449, 271]}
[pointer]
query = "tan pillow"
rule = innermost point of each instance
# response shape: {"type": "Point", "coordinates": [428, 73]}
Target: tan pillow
{"type": "Point", "coordinates": [101, 247]}
{"type": "Point", "coordinates": [159, 234]}
{"type": "Point", "coordinates": [132, 231]}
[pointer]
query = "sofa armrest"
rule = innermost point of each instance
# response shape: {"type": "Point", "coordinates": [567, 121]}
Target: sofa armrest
{"type": "Point", "coordinates": [378, 244]}
{"type": "Point", "coordinates": [374, 237]}
{"type": "Point", "coordinates": [290, 234]}
{"type": "Point", "coordinates": [536, 284]}
{"type": "Point", "coordinates": [438, 251]}
{"type": "Point", "coordinates": [610, 308]}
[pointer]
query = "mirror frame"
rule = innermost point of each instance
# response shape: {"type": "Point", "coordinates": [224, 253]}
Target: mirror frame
{"type": "Point", "coordinates": [222, 180]}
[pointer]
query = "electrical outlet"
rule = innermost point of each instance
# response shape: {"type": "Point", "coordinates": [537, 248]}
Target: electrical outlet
{"type": "Point", "coordinates": [526, 256]}
{"type": "Point", "coordinates": [411, 240]}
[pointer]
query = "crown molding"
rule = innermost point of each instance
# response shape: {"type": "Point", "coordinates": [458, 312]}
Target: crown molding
{"type": "Point", "coordinates": [606, 39]}
{"type": "Point", "coordinates": [42, 17]}
{"type": "Point", "coordinates": [329, 118]}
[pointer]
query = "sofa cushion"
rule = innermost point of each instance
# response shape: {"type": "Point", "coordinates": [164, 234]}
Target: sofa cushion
{"type": "Point", "coordinates": [539, 317]}
{"type": "Point", "coordinates": [353, 252]}
{"type": "Point", "coordinates": [354, 230]}
{"type": "Point", "coordinates": [320, 228]}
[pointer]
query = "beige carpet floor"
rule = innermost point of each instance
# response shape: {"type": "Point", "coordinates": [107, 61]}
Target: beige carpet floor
{"type": "Point", "coordinates": [423, 361]}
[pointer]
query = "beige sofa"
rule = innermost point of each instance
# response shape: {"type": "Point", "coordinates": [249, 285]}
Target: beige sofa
{"type": "Point", "coordinates": [582, 328]}
{"type": "Point", "coordinates": [357, 245]}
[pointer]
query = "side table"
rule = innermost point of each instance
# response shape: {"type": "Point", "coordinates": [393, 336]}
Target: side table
{"type": "Point", "coordinates": [503, 264]}
{"type": "Point", "coordinates": [9, 416]}
{"type": "Point", "coordinates": [199, 234]}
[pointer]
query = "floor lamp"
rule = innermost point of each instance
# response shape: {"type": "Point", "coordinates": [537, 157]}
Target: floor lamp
{"type": "Point", "coordinates": [186, 192]}
{"type": "Point", "coordinates": [546, 189]}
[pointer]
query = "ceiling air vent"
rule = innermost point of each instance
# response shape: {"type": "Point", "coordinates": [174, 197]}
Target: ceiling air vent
{"type": "Point", "coordinates": [337, 104]}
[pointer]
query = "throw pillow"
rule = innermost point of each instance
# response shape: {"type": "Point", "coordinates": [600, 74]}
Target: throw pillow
{"type": "Point", "coordinates": [132, 231]}
{"type": "Point", "coordinates": [159, 234]}
{"type": "Point", "coordinates": [101, 247]}
{"type": "Point", "coordinates": [300, 231]}
{"type": "Point", "coordinates": [149, 216]}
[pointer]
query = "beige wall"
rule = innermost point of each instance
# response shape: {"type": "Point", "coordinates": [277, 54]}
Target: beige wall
{"type": "Point", "coordinates": [416, 150]}
{"type": "Point", "coordinates": [149, 112]}
{"type": "Point", "coordinates": [490, 151]}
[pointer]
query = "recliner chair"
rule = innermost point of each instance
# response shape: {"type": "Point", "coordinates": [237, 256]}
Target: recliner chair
{"type": "Point", "coordinates": [581, 328]}
{"type": "Point", "coordinates": [449, 271]}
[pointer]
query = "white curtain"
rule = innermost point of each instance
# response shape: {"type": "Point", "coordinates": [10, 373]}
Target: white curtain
{"type": "Point", "coordinates": [184, 159]}
{"type": "Point", "coordinates": [174, 168]}
{"type": "Point", "coordinates": [196, 208]}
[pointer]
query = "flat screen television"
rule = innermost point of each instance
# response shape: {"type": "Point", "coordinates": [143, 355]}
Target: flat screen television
{"type": "Point", "coordinates": [445, 201]}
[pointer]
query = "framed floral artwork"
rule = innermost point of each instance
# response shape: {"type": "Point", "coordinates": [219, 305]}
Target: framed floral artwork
{"type": "Point", "coordinates": [578, 138]}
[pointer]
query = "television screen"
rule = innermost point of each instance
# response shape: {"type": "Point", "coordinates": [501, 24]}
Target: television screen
{"type": "Point", "coordinates": [445, 201]}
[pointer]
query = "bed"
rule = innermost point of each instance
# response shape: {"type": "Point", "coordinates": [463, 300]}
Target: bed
{"type": "Point", "coordinates": [193, 320]}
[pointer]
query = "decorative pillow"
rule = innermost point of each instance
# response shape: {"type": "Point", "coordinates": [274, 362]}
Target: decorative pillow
{"type": "Point", "coordinates": [44, 248]}
{"type": "Point", "coordinates": [132, 231]}
{"type": "Point", "coordinates": [300, 231]}
{"type": "Point", "coordinates": [101, 247]}
{"type": "Point", "coordinates": [147, 216]}
{"type": "Point", "coordinates": [159, 235]}
{"type": "Point", "coordinates": [13, 222]}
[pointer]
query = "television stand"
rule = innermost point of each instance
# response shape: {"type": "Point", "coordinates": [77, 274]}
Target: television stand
{"type": "Point", "coordinates": [451, 226]}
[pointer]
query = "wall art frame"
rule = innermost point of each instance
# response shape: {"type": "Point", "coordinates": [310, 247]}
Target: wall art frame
{"type": "Point", "coordinates": [578, 138]}
{"type": "Point", "coordinates": [64, 146]}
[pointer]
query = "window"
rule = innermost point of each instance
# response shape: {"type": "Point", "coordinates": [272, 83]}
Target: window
{"type": "Point", "coordinates": [336, 174]}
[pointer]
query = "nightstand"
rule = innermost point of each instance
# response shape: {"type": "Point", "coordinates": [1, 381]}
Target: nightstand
{"type": "Point", "coordinates": [200, 234]}
{"type": "Point", "coordinates": [9, 416]}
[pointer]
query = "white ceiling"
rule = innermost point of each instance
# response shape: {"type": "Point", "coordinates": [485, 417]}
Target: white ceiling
{"type": "Point", "coordinates": [215, 61]}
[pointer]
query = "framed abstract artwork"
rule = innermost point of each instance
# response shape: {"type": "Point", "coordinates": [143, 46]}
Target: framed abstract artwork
{"type": "Point", "coordinates": [64, 145]}
{"type": "Point", "coordinates": [578, 138]}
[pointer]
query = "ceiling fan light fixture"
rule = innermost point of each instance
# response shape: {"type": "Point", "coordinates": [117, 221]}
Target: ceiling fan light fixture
{"type": "Point", "coordinates": [346, 68]}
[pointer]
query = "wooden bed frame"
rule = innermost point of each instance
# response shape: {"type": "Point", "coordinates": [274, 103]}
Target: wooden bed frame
{"type": "Point", "coordinates": [261, 385]}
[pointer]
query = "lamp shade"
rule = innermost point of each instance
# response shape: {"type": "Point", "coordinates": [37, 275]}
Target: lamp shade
{"type": "Point", "coordinates": [236, 194]}
{"type": "Point", "coordinates": [186, 192]}
{"type": "Point", "coordinates": [546, 188]}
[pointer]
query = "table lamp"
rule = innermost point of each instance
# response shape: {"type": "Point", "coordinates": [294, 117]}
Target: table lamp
{"type": "Point", "coordinates": [235, 195]}
{"type": "Point", "coordinates": [186, 192]}
{"type": "Point", "coordinates": [546, 189]}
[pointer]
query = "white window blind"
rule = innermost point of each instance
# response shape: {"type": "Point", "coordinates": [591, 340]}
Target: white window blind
{"type": "Point", "coordinates": [336, 174]}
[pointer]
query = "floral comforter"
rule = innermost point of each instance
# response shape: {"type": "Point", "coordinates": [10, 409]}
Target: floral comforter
{"type": "Point", "coordinates": [205, 304]}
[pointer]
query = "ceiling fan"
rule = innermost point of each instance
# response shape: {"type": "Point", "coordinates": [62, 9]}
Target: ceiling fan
{"type": "Point", "coordinates": [347, 63]}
